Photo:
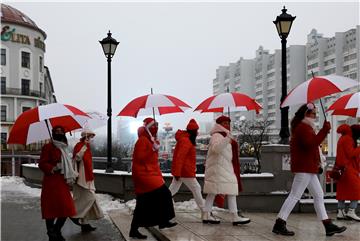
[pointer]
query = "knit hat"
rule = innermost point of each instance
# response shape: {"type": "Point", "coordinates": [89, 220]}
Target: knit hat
{"type": "Point", "coordinates": [87, 133]}
{"type": "Point", "coordinates": [222, 118]}
{"type": "Point", "coordinates": [148, 122]}
{"type": "Point", "coordinates": [192, 125]}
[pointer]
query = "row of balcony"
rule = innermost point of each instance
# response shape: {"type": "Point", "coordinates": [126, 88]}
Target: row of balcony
{"type": "Point", "coordinates": [26, 92]}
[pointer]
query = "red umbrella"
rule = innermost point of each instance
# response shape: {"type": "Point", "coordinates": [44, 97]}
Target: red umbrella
{"type": "Point", "coordinates": [316, 88]}
{"type": "Point", "coordinates": [33, 125]}
{"type": "Point", "coordinates": [153, 104]}
{"type": "Point", "coordinates": [228, 102]}
{"type": "Point", "coordinates": [348, 105]}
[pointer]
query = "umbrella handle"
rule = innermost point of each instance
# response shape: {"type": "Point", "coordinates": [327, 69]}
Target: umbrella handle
{"type": "Point", "coordinates": [47, 125]}
{"type": "Point", "coordinates": [322, 107]}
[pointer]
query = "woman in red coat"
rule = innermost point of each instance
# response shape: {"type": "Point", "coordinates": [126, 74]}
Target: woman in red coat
{"type": "Point", "coordinates": [305, 164]}
{"type": "Point", "coordinates": [348, 156]}
{"type": "Point", "coordinates": [183, 167]}
{"type": "Point", "coordinates": [154, 204]}
{"type": "Point", "coordinates": [56, 199]}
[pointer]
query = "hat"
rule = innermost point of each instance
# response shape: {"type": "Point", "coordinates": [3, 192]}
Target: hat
{"type": "Point", "coordinates": [222, 118]}
{"type": "Point", "coordinates": [87, 133]}
{"type": "Point", "coordinates": [192, 125]}
{"type": "Point", "coordinates": [148, 122]}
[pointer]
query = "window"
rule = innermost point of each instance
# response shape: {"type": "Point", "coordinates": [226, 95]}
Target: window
{"type": "Point", "coordinates": [3, 56]}
{"type": "Point", "coordinates": [40, 88]}
{"type": "Point", "coordinates": [25, 59]}
{"type": "Point", "coordinates": [3, 85]}
{"type": "Point", "coordinates": [3, 113]}
{"type": "Point", "coordinates": [40, 64]}
{"type": "Point", "coordinates": [3, 140]}
{"type": "Point", "coordinates": [25, 86]}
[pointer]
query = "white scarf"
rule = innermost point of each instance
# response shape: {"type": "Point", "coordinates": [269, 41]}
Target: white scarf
{"type": "Point", "coordinates": [66, 162]}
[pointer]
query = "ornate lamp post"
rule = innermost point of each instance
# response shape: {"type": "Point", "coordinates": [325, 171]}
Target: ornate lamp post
{"type": "Point", "coordinates": [109, 45]}
{"type": "Point", "coordinates": [283, 24]}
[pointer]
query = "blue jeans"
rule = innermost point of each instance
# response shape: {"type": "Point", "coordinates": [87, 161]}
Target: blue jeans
{"type": "Point", "coordinates": [353, 204]}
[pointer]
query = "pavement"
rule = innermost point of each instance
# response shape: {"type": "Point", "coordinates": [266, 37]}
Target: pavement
{"type": "Point", "coordinates": [21, 221]}
{"type": "Point", "coordinates": [190, 228]}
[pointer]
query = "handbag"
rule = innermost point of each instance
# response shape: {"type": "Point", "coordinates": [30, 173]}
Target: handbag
{"type": "Point", "coordinates": [337, 172]}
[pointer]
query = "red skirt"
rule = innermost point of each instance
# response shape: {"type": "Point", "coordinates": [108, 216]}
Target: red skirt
{"type": "Point", "coordinates": [56, 199]}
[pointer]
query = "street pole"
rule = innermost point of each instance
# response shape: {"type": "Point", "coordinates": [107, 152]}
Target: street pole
{"type": "Point", "coordinates": [284, 131]}
{"type": "Point", "coordinates": [109, 168]}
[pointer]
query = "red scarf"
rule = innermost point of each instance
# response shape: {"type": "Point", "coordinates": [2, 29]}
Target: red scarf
{"type": "Point", "coordinates": [87, 160]}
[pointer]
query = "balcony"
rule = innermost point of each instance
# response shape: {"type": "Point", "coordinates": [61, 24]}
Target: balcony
{"type": "Point", "coordinates": [16, 91]}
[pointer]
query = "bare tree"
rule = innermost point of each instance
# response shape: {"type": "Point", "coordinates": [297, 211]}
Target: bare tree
{"type": "Point", "coordinates": [252, 135]}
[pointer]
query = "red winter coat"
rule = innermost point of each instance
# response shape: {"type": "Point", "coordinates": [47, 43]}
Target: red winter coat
{"type": "Point", "coordinates": [304, 148]}
{"type": "Point", "coordinates": [146, 172]}
{"type": "Point", "coordinates": [87, 159]}
{"type": "Point", "coordinates": [184, 160]}
{"type": "Point", "coordinates": [348, 186]}
{"type": "Point", "coordinates": [56, 199]}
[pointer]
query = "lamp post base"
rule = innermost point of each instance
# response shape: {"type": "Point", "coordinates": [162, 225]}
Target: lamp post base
{"type": "Point", "coordinates": [284, 141]}
{"type": "Point", "coordinates": [109, 170]}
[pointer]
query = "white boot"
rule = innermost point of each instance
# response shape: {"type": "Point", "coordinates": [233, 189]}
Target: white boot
{"type": "Point", "coordinates": [236, 219]}
{"type": "Point", "coordinates": [352, 215]}
{"type": "Point", "coordinates": [208, 218]}
{"type": "Point", "coordinates": [341, 215]}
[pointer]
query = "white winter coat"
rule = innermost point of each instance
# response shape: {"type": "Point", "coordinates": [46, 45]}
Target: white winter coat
{"type": "Point", "coordinates": [219, 173]}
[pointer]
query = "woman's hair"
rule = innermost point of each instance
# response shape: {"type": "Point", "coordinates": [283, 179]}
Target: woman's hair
{"type": "Point", "coordinates": [355, 129]}
{"type": "Point", "coordinates": [192, 137]}
{"type": "Point", "coordinates": [300, 114]}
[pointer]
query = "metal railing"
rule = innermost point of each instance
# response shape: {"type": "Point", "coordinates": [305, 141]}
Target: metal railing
{"type": "Point", "coordinates": [17, 91]}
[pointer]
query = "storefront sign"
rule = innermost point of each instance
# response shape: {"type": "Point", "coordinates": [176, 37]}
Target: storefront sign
{"type": "Point", "coordinates": [8, 34]}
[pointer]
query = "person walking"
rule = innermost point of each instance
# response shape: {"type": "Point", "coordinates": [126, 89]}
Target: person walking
{"type": "Point", "coordinates": [56, 200]}
{"type": "Point", "coordinates": [154, 205]}
{"type": "Point", "coordinates": [183, 166]}
{"type": "Point", "coordinates": [348, 158]}
{"type": "Point", "coordinates": [86, 204]}
{"type": "Point", "coordinates": [222, 172]}
{"type": "Point", "coordinates": [305, 164]}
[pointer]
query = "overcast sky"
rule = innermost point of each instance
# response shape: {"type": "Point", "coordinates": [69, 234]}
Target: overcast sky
{"type": "Point", "coordinates": [174, 48]}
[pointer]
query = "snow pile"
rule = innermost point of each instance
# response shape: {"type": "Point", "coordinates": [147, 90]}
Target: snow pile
{"type": "Point", "coordinates": [108, 202]}
{"type": "Point", "coordinates": [186, 206]}
{"type": "Point", "coordinates": [16, 184]}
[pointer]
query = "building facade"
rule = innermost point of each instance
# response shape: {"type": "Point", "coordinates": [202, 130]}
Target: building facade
{"type": "Point", "coordinates": [260, 78]}
{"type": "Point", "coordinates": [25, 80]}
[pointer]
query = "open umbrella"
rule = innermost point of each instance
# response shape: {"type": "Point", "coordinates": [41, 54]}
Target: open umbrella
{"type": "Point", "coordinates": [228, 102]}
{"type": "Point", "coordinates": [153, 104]}
{"type": "Point", "coordinates": [348, 105]}
{"type": "Point", "coordinates": [34, 125]}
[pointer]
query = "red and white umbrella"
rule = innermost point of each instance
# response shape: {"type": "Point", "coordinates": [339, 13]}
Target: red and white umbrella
{"type": "Point", "coordinates": [348, 105]}
{"type": "Point", "coordinates": [34, 125]}
{"type": "Point", "coordinates": [153, 104]}
{"type": "Point", "coordinates": [228, 102]}
{"type": "Point", "coordinates": [316, 88]}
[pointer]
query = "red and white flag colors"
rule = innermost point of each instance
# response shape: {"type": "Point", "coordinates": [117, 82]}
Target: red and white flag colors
{"type": "Point", "coordinates": [154, 103]}
{"type": "Point", "coordinates": [317, 88]}
{"type": "Point", "coordinates": [31, 126]}
{"type": "Point", "coordinates": [348, 105]}
{"type": "Point", "coordinates": [228, 102]}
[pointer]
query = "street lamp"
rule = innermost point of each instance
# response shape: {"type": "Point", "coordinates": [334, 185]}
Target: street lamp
{"type": "Point", "coordinates": [109, 45]}
{"type": "Point", "coordinates": [283, 24]}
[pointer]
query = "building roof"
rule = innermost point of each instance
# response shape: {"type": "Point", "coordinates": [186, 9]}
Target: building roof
{"type": "Point", "coordinates": [14, 16]}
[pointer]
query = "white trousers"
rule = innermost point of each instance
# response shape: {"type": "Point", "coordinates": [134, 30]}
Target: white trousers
{"type": "Point", "coordinates": [193, 186]}
{"type": "Point", "coordinates": [231, 203]}
{"type": "Point", "coordinates": [300, 183]}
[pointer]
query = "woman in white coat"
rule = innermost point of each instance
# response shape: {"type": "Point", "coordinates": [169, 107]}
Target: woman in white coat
{"type": "Point", "coordinates": [222, 172]}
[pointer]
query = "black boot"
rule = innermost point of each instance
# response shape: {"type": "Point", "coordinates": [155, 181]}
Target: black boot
{"type": "Point", "coordinates": [280, 228]}
{"type": "Point", "coordinates": [331, 228]}
{"type": "Point", "coordinates": [87, 228]}
{"type": "Point", "coordinates": [134, 233]}
{"type": "Point", "coordinates": [167, 225]}
{"type": "Point", "coordinates": [52, 235]}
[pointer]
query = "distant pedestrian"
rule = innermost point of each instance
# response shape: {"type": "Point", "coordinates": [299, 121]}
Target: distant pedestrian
{"type": "Point", "coordinates": [222, 171]}
{"type": "Point", "coordinates": [154, 205]}
{"type": "Point", "coordinates": [86, 204]}
{"type": "Point", "coordinates": [348, 158]}
{"type": "Point", "coordinates": [306, 163]}
{"type": "Point", "coordinates": [56, 200]}
{"type": "Point", "coordinates": [183, 164]}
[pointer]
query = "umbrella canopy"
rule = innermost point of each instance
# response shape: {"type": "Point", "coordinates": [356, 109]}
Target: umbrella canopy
{"type": "Point", "coordinates": [316, 88]}
{"type": "Point", "coordinates": [33, 125]}
{"type": "Point", "coordinates": [153, 104]}
{"type": "Point", "coordinates": [228, 102]}
{"type": "Point", "coordinates": [95, 121]}
{"type": "Point", "coordinates": [348, 105]}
